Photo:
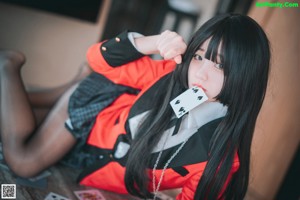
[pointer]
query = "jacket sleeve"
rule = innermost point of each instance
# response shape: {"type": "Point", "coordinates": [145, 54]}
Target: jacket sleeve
{"type": "Point", "coordinates": [118, 60]}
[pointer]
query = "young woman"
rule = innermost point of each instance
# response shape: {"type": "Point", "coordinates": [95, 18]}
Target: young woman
{"type": "Point", "coordinates": [118, 124]}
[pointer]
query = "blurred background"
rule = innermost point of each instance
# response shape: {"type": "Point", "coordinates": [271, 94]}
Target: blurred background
{"type": "Point", "coordinates": [55, 34]}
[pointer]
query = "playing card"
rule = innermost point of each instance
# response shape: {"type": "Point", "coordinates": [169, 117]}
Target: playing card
{"type": "Point", "coordinates": [89, 195]}
{"type": "Point", "coordinates": [54, 196]}
{"type": "Point", "coordinates": [188, 100]}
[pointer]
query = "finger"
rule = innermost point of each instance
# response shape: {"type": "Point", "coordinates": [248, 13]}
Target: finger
{"type": "Point", "coordinates": [178, 59]}
{"type": "Point", "coordinates": [166, 38]}
{"type": "Point", "coordinates": [172, 52]}
{"type": "Point", "coordinates": [172, 49]}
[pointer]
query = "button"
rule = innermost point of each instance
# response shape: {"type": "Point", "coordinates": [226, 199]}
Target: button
{"type": "Point", "coordinates": [117, 39]}
{"type": "Point", "coordinates": [111, 156]}
{"type": "Point", "coordinates": [101, 157]}
{"type": "Point", "coordinates": [103, 48]}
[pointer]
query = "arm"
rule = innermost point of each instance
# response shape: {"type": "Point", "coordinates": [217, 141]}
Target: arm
{"type": "Point", "coordinates": [168, 44]}
{"type": "Point", "coordinates": [124, 62]}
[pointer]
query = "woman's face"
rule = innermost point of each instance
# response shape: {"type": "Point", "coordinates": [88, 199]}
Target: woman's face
{"type": "Point", "coordinates": [206, 74]}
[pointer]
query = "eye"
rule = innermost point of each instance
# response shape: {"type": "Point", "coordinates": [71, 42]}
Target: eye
{"type": "Point", "coordinates": [198, 57]}
{"type": "Point", "coordinates": [219, 66]}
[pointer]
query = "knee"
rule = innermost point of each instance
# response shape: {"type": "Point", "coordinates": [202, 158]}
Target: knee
{"type": "Point", "coordinates": [25, 168]}
{"type": "Point", "coordinates": [23, 171]}
{"type": "Point", "coordinates": [12, 60]}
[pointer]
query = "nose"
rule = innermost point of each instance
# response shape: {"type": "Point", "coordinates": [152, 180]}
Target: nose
{"type": "Point", "coordinates": [202, 72]}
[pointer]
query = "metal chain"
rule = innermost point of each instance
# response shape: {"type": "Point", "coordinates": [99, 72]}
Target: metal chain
{"type": "Point", "coordinates": [155, 165]}
{"type": "Point", "coordinates": [156, 188]}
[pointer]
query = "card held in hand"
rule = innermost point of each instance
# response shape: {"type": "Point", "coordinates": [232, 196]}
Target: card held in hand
{"type": "Point", "coordinates": [188, 100]}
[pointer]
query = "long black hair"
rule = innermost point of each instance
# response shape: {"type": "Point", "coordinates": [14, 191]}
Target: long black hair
{"type": "Point", "coordinates": [246, 59]}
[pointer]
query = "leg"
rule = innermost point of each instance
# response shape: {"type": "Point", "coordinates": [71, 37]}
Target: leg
{"type": "Point", "coordinates": [28, 149]}
{"type": "Point", "coordinates": [45, 98]}
{"type": "Point", "coordinates": [42, 100]}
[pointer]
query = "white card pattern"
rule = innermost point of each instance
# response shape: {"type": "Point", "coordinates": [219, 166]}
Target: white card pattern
{"type": "Point", "coordinates": [91, 194]}
{"type": "Point", "coordinates": [188, 100]}
{"type": "Point", "coordinates": [54, 196]}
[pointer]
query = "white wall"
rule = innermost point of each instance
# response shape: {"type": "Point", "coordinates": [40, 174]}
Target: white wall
{"type": "Point", "coordinates": [54, 45]}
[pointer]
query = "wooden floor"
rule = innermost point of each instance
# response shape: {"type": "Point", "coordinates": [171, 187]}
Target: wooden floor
{"type": "Point", "coordinates": [62, 181]}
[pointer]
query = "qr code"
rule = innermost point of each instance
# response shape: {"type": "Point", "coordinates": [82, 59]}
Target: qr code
{"type": "Point", "coordinates": [8, 191]}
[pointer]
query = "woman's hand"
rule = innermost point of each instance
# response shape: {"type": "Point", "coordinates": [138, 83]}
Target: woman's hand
{"type": "Point", "coordinates": [171, 45]}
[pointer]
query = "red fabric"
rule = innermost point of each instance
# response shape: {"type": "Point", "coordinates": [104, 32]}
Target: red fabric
{"type": "Point", "coordinates": [138, 74]}
{"type": "Point", "coordinates": [189, 188]}
{"type": "Point", "coordinates": [141, 74]}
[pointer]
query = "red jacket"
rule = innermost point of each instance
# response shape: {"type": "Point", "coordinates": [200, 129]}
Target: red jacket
{"type": "Point", "coordinates": [142, 73]}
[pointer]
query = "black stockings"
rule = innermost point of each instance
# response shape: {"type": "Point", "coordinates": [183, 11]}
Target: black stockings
{"type": "Point", "coordinates": [29, 148]}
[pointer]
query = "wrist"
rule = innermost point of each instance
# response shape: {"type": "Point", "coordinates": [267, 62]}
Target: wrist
{"type": "Point", "coordinates": [147, 44]}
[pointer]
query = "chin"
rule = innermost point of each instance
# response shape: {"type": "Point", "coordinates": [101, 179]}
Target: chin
{"type": "Point", "coordinates": [209, 98]}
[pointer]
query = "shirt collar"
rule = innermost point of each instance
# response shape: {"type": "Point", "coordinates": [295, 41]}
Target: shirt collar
{"type": "Point", "coordinates": [205, 112]}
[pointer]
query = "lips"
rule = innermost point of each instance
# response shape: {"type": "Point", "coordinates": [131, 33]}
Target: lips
{"type": "Point", "coordinates": [200, 86]}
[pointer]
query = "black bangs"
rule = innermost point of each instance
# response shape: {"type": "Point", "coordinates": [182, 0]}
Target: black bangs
{"type": "Point", "coordinates": [213, 46]}
{"type": "Point", "coordinates": [211, 29]}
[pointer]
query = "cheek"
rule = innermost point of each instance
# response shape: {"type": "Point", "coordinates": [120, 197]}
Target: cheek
{"type": "Point", "coordinates": [214, 83]}
{"type": "Point", "coordinates": [191, 72]}
{"type": "Point", "coordinates": [218, 83]}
